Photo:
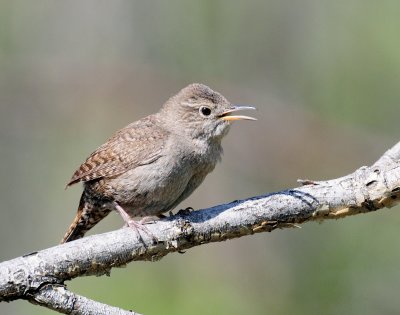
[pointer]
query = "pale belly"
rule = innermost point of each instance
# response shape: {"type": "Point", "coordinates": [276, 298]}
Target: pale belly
{"type": "Point", "coordinates": [158, 187]}
{"type": "Point", "coordinates": [155, 188]}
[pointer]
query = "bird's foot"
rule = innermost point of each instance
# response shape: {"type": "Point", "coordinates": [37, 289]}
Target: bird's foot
{"type": "Point", "coordinates": [138, 226]}
{"type": "Point", "coordinates": [185, 211]}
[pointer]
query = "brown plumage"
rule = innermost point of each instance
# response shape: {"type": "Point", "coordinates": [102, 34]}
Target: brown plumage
{"type": "Point", "coordinates": [151, 165]}
{"type": "Point", "coordinates": [137, 144]}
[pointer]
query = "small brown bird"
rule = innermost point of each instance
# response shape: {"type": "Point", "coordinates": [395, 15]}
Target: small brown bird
{"type": "Point", "coordinates": [151, 165]}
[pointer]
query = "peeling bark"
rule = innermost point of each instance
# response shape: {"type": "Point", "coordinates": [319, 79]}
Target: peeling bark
{"type": "Point", "coordinates": [39, 277]}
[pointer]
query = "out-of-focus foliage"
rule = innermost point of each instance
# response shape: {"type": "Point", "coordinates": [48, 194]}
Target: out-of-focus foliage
{"type": "Point", "coordinates": [325, 77]}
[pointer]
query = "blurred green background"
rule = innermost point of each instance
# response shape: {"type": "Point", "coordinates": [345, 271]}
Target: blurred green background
{"type": "Point", "coordinates": [325, 77]}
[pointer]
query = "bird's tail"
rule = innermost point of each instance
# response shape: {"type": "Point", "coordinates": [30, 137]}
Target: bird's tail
{"type": "Point", "coordinates": [88, 215]}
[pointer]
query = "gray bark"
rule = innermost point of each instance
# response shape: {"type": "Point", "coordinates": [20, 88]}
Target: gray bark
{"type": "Point", "coordinates": [39, 277]}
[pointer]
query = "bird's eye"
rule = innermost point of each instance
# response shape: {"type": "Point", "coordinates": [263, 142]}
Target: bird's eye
{"type": "Point", "coordinates": [205, 111]}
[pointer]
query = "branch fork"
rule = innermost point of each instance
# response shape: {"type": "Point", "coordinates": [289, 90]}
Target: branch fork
{"type": "Point", "coordinates": [39, 276]}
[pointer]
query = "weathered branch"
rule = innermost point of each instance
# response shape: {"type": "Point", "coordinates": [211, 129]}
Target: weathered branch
{"type": "Point", "coordinates": [58, 298]}
{"type": "Point", "coordinates": [39, 277]}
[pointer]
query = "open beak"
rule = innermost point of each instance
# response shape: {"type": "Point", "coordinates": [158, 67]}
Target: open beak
{"type": "Point", "coordinates": [227, 115]}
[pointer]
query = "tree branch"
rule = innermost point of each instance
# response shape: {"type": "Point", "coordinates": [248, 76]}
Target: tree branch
{"type": "Point", "coordinates": [39, 277]}
{"type": "Point", "coordinates": [59, 299]}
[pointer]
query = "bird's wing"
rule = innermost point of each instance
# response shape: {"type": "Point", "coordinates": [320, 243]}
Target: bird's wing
{"type": "Point", "coordinates": [137, 144]}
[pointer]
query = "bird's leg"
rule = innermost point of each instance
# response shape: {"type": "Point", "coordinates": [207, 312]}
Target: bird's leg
{"type": "Point", "coordinates": [138, 226]}
{"type": "Point", "coordinates": [124, 215]}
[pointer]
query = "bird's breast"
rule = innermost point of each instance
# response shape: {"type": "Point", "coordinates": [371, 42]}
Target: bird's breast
{"type": "Point", "coordinates": [158, 186]}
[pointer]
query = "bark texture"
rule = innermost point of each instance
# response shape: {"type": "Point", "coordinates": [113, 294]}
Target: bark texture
{"type": "Point", "coordinates": [39, 277]}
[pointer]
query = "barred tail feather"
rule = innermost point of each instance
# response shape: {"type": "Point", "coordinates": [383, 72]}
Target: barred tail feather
{"type": "Point", "coordinates": [87, 216]}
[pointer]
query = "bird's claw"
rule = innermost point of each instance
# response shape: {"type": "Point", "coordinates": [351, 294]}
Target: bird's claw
{"type": "Point", "coordinates": [185, 211]}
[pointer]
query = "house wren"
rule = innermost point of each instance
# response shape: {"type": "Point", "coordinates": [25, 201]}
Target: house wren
{"type": "Point", "coordinates": [151, 165]}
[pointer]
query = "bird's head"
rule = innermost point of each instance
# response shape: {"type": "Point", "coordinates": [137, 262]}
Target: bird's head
{"type": "Point", "coordinates": [199, 111]}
